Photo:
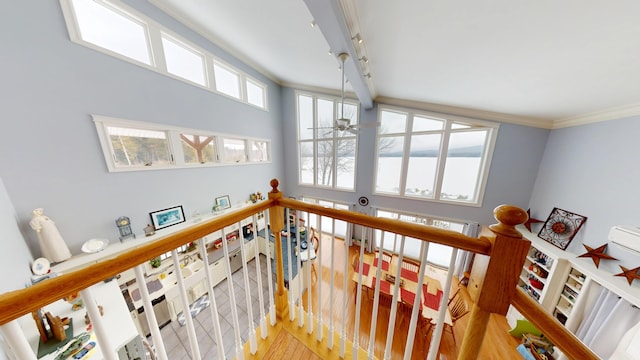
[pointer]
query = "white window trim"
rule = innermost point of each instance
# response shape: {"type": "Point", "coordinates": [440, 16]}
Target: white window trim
{"type": "Point", "coordinates": [485, 165]}
{"type": "Point", "coordinates": [173, 138]}
{"type": "Point", "coordinates": [157, 59]}
{"type": "Point", "coordinates": [428, 220]}
{"type": "Point", "coordinates": [315, 140]}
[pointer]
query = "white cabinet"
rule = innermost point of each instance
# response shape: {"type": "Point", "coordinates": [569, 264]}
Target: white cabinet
{"type": "Point", "coordinates": [218, 271]}
{"type": "Point", "coordinates": [536, 272]}
{"type": "Point", "coordinates": [250, 250]}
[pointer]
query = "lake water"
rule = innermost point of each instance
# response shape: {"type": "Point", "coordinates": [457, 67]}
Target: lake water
{"type": "Point", "coordinates": [460, 178]}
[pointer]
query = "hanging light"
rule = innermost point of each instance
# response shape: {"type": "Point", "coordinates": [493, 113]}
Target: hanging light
{"type": "Point", "coordinates": [342, 122]}
{"type": "Point", "coordinates": [357, 38]}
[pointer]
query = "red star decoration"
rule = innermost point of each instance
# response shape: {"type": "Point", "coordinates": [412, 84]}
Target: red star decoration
{"type": "Point", "coordinates": [629, 274]}
{"type": "Point", "coordinates": [597, 254]}
{"type": "Point", "coordinates": [531, 220]}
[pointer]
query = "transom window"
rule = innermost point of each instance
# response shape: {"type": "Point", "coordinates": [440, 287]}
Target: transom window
{"type": "Point", "coordinates": [327, 156]}
{"type": "Point", "coordinates": [433, 156]}
{"type": "Point", "coordinates": [134, 145]}
{"type": "Point", "coordinates": [120, 31]}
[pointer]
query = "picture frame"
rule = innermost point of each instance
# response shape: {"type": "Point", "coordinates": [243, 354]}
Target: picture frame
{"type": "Point", "coordinates": [561, 227]}
{"type": "Point", "coordinates": [167, 217]}
{"type": "Point", "coordinates": [223, 202]}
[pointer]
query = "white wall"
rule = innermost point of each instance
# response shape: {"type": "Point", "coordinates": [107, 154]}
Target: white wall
{"type": "Point", "coordinates": [51, 156]}
{"type": "Point", "coordinates": [593, 170]}
{"type": "Point", "coordinates": [15, 254]}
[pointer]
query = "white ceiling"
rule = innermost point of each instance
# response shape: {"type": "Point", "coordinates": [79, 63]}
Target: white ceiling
{"type": "Point", "coordinates": [544, 63]}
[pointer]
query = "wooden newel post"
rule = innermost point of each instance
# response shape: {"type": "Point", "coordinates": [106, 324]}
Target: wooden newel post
{"type": "Point", "coordinates": [508, 252]}
{"type": "Point", "coordinates": [276, 223]}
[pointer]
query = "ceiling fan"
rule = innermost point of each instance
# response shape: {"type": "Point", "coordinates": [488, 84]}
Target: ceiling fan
{"type": "Point", "coordinates": [343, 123]}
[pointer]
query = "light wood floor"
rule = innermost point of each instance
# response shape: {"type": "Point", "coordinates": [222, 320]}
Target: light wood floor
{"type": "Point", "coordinates": [498, 344]}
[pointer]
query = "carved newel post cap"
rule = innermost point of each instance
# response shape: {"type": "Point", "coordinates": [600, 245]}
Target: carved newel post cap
{"type": "Point", "coordinates": [274, 185]}
{"type": "Point", "coordinates": [508, 217]}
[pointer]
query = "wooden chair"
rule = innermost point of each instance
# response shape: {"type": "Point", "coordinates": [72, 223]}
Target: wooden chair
{"type": "Point", "coordinates": [315, 242]}
{"type": "Point", "coordinates": [386, 256]}
{"type": "Point", "coordinates": [458, 308]}
{"type": "Point", "coordinates": [410, 265]}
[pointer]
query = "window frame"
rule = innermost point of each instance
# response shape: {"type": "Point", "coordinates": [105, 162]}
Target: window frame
{"type": "Point", "coordinates": [315, 140]}
{"type": "Point", "coordinates": [448, 120]}
{"type": "Point", "coordinates": [174, 144]}
{"type": "Point", "coordinates": [154, 32]}
{"type": "Point", "coordinates": [426, 220]}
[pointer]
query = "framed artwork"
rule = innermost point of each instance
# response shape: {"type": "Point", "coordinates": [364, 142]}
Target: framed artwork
{"type": "Point", "coordinates": [560, 228]}
{"type": "Point", "coordinates": [167, 217]}
{"type": "Point", "coordinates": [223, 202]}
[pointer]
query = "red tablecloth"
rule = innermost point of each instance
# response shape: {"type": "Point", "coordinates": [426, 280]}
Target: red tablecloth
{"type": "Point", "coordinates": [385, 264]}
{"type": "Point", "coordinates": [385, 286]}
{"type": "Point", "coordinates": [430, 300]}
{"type": "Point", "coordinates": [365, 269]}
{"type": "Point", "coordinates": [409, 275]}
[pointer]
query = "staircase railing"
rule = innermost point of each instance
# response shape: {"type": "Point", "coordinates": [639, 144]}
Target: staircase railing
{"type": "Point", "coordinates": [504, 252]}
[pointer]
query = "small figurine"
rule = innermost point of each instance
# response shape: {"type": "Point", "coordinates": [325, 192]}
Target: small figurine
{"type": "Point", "coordinates": [52, 245]}
{"type": "Point", "coordinates": [124, 227]}
{"type": "Point", "coordinates": [149, 230]}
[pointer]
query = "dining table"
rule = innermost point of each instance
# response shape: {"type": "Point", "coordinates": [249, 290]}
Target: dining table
{"type": "Point", "coordinates": [431, 293]}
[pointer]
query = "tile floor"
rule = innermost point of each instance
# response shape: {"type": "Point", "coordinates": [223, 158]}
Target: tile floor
{"type": "Point", "coordinates": [175, 336]}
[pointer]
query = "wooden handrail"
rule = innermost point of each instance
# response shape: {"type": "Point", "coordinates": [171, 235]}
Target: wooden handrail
{"type": "Point", "coordinates": [418, 231]}
{"type": "Point", "coordinates": [504, 264]}
{"type": "Point", "coordinates": [15, 304]}
{"type": "Point", "coordinates": [552, 328]}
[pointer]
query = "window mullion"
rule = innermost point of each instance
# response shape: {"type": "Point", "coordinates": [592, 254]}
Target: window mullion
{"type": "Point", "coordinates": [442, 160]}
{"type": "Point", "coordinates": [158, 59]}
{"type": "Point", "coordinates": [175, 147]}
{"type": "Point", "coordinates": [406, 153]}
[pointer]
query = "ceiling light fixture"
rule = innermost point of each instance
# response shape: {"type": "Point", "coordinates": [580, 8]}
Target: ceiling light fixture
{"type": "Point", "coordinates": [367, 75]}
{"type": "Point", "coordinates": [313, 23]}
{"type": "Point", "coordinates": [357, 38]}
{"type": "Point", "coordinates": [365, 59]}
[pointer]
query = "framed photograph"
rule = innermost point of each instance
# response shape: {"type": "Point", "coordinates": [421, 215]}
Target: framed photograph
{"type": "Point", "coordinates": [167, 217]}
{"type": "Point", "coordinates": [561, 227]}
{"type": "Point", "coordinates": [223, 202]}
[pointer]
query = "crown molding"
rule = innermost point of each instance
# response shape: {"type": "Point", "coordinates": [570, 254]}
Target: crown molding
{"type": "Point", "coordinates": [467, 112]}
{"type": "Point", "coordinates": [598, 116]}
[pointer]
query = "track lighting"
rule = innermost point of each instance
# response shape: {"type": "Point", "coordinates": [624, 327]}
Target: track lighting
{"type": "Point", "coordinates": [364, 58]}
{"type": "Point", "coordinates": [313, 23]}
{"type": "Point", "coordinates": [367, 75]}
{"type": "Point", "coordinates": [357, 38]}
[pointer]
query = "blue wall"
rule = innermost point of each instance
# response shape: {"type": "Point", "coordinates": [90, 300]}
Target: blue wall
{"type": "Point", "coordinates": [51, 156]}
{"type": "Point", "coordinates": [593, 170]}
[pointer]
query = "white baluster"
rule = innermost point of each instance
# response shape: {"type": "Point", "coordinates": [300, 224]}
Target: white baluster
{"type": "Point", "coordinates": [158, 343]}
{"type": "Point", "coordinates": [343, 333]}
{"type": "Point", "coordinates": [309, 304]}
{"type": "Point", "coordinates": [191, 331]}
{"type": "Point", "coordinates": [356, 333]}
{"type": "Point", "coordinates": [287, 224]}
{"type": "Point", "coordinates": [232, 298]}
{"type": "Point", "coordinates": [442, 310]}
{"type": "Point", "coordinates": [300, 274]}
{"type": "Point", "coordinates": [14, 336]}
{"type": "Point", "coordinates": [333, 241]}
{"type": "Point", "coordinates": [272, 305]}
{"type": "Point", "coordinates": [253, 345]}
{"type": "Point", "coordinates": [263, 317]}
{"type": "Point", "coordinates": [213, 307]}
{"type": "Point", "coordinates": [319, 255]}
{"type": "Point", "coordinates": [376, 300]}
{"type": "Point", "coordinates": [424, 251]}
{"type": "Point", "coordinates": [394, 303]}
{"type": "Point", "coordinates": [102, 333]}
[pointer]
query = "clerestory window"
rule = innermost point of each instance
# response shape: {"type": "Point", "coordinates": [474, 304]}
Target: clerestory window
{"type": "Point", "coordinates": [433, 156]}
